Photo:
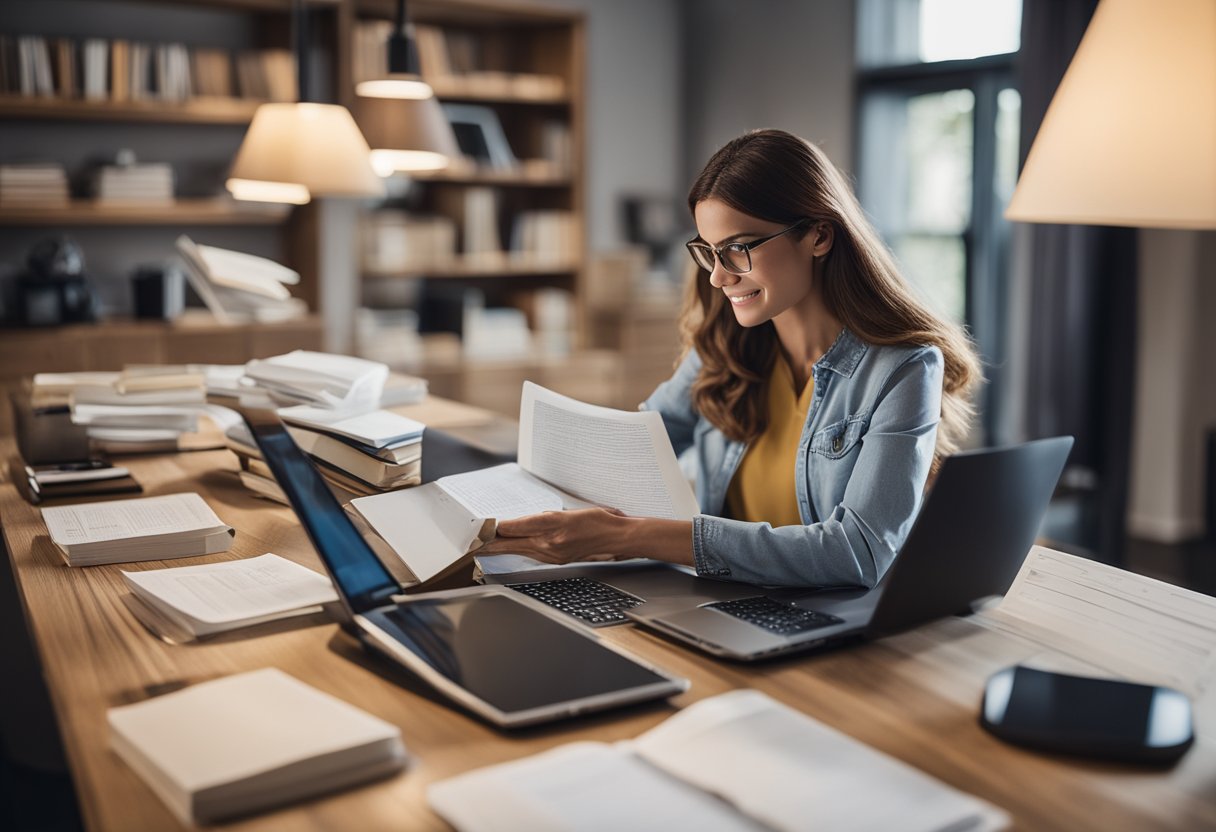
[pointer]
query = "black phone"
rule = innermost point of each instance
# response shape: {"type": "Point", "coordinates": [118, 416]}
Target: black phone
{"type": "Point", "coordinates": [1085, 716]}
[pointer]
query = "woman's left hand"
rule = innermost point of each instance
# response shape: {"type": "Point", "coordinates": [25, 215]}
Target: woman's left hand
{"type": "Point", "coordinates": [561, 536]}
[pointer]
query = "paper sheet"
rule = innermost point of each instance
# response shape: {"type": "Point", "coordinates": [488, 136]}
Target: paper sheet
{"type": "Point", "coordinates": [1140, 628]}
{"type": "Point", "coordinates": [236, 590]}
{"type": "Point", "coordinates": [739, 761]}
{"type": "Point", "coordinates": [604, 456]}
{"type": "Point", "coordinates": [120, 519]}
{"type": "Point", "coordinates": [505, 492]}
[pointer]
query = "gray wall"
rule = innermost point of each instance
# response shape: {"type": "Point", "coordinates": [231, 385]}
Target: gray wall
{"type": "Point", "coordinates": [770, 63]}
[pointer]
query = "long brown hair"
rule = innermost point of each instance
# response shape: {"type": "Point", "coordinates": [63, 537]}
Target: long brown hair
{"type": "Point", "coordinates": [778, 177]}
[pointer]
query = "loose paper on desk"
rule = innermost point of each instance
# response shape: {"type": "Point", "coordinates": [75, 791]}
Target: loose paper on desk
{"type": "Point", "coordinates": [1146, 630]}
{"type": "Point", "coordinates": [571, 455]}
{"type": "Point", "coordinates": [738, 761]}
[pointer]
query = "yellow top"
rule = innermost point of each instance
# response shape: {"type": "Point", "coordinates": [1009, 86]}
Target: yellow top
{"type": "Point", "coordinates": [763, 487]}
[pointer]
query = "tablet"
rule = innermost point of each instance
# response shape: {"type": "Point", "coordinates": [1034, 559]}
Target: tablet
{"type": "Point", "coordinates": [508, 658]}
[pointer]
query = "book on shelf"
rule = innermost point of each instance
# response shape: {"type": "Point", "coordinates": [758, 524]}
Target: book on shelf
{"type": "Point", "coordinates": [267, 75]}
{"type": "Point", "coordinates": [36, 185]}
{"type": "Point", "coordinates": [145, 528]}
{"type": "Point", "coordinates": [737, 761]}
{"type": "Point", "coordinates": [397, 241]}
{"type": "Point", "coordinates": [214, 598]}
{"type": "Point", "coordinates": [546, 238]}
{"type": "Point", "coordinates": [248, 742]}
{"type": "Point", "coordinates": [143, 184]}
{"type": "Point", "coordinates": [571, 455]}
{"type": "Point", "coordinates": [238, 287]}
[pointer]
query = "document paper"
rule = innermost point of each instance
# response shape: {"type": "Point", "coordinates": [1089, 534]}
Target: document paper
{"type": "Point", "coordinates": [737, 761]}
{"type": "Point", "coordinates": [571, 455]}
{"type": "Point", "coordinates": [1140, 628]}
{"type": "Point", "coordinates": [123, 519]}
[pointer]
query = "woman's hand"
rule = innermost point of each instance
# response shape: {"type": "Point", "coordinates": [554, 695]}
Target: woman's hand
{"type": "Point", "coordinates": [562, 536]}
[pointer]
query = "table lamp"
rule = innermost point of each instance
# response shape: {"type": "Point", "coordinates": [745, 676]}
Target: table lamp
{"type": "Point", "coordinates": [1130, 136]}
{"type": "Point", "coordinates": [293, 152]}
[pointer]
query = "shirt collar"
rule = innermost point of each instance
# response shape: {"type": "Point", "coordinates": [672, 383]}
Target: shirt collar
{"type": "Point", "coordinates": [844, 355]}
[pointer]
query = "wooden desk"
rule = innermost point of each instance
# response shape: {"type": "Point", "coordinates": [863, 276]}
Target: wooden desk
{"type": "Point", "coordinates": [915, 696]}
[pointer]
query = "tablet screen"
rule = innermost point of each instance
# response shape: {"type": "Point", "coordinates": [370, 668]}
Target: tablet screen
{"type": "Point", "coordinates": [508, 654]}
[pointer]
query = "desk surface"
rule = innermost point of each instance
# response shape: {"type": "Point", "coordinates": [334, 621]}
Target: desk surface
{"type": "Point", "coordinates": [914, 696]}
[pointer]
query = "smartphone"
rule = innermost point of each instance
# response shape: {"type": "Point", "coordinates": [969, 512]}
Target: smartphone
{"type": "Point", "coordinates": [1102, 718]}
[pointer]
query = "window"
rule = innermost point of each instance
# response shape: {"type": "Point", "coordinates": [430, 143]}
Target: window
{"type": "Point", "coordinates": [937, 154]}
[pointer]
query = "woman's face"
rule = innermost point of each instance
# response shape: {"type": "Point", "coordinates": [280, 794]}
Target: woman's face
{"type": "Point", "coordinates": [780, 277]}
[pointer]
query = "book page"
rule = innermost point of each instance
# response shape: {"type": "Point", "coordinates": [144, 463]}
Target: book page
{"type": "Point", "coordinates": [121, 519]}
{"type": "Point", "coordinates": [608, 457]}
{"type": "Point", "coordinates": [791, 772]}
{"type": "Point", "coordinates": [1137, 627]}
{"type": "Point", "coordinates": [235, 590]}
{"type": "Point", "coordinates": [580, 786]}
{"type": "Point", "coordinates": [506, 491]}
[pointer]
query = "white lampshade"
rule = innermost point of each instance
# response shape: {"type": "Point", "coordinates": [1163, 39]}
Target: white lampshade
{"type": "Point", "coordinates": [1130, 136]}
{"type": "Point", "coordinates": [406, 134]}
{"type": "Point", "coordinates": [294, 152]}
{"type": "Point", "coordinates": [395, 86]}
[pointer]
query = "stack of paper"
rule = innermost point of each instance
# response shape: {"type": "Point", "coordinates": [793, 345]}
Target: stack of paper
{"type": "Point", "coordinates": [340, 382]}
{"type": "Point", "coordinates": [140, 184]}
{"type": "Point", "coordinates": [50, 482]}
{"type": "Point", "coordinates": [33, 186]}
{"type": "Point", "coordinates": [381, 450]}
{"type": "Point", "coordinates": [738, 761]}
{"type": "Point", "coordinates": [245, 743]}
{"type": "Point", "coordinates": [240, 287]}
{"type": "Point", "coordinates": [215, 597]}
{"type": "Point", "coordinates": [147, 528]}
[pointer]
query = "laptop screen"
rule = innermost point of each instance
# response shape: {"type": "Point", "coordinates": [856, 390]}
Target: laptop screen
{"type": "Point", "coordinates": [359, 575]}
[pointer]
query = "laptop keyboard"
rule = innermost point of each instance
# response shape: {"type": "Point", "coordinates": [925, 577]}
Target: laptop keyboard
{"type": "Point", "coordinates": [778, 618]}
{"type": "Point", "coordinates": [592, 602]}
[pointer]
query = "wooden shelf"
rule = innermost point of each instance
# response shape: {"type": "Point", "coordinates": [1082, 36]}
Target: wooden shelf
{"type": "Point", "coordinates": [182, 212]}
{"type": "Point", "coordinates": [509, 178]}
{"type": "Point", "coordinates": [478, 268]}
{"type": "Point", "coordinates": [193, 111]}
{"type": "Point", "coordinates": [470, 89]}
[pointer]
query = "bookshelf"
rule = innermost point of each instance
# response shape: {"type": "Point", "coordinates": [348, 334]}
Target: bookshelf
{"type": "Point", "coordinates": [242, 48]}
{"type": "Point", "coordinates": [524, 65]}
{"type": "Point", "coordinates": [204, 211]}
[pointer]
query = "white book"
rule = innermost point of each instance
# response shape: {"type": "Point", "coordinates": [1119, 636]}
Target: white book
{"type": "Point", "coordinates": [571, 455]}
{"type": "Point", "coordinates": [216, 597]}
{"type": "Point", "coordinates": [374, 429]}
{"type": "Point", "coordinates": [341, 382]}
{"type": "Point", "coordinates": [162, 417]}
{"type": "Point", "coordinates": [145, 528]}
{"type": "Point", "coordinates": [738, 761]}
{"type": "Point", "coordinates": [363, 465]}
{"type": "Point", "coordinates": [248, 742]}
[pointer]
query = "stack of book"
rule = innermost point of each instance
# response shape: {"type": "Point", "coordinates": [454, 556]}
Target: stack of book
{"type": "Point", "coordinates": [365, 453]}
{"type": "Point", "coordinates": [238, 287]}
{"type": "Point", "coordinates": [267, 75]}
{"type": "Point", "coordinates": [339, 382]}
{"type": "Point", "coordinates": [143, 184]}
{"type": "Point", "coordinates": [253, 472]}
{"type": "Point", "coordinates": [33, 186]}
{"type": "Point", "coordinates": [394, 241]}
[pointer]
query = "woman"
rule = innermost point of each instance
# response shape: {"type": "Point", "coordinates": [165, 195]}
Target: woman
{"type": "Point", "coordinates": [817, 391]}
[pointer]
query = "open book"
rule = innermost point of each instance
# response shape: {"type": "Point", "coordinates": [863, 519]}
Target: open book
{"type": "Point", "coordinates": [738, 761]}
{"type": "Point", "coordinates": [571, 455]}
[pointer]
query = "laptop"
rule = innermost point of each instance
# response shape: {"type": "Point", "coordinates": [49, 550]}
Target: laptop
{"type": "Point", "coordinates": [504, 656]}
{"type": "Point", "coordinates": [967, 543]}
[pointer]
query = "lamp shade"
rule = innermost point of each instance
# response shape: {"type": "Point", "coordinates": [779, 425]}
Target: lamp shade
{"type": "Point", "coordinates": [406, 134]}
{"type": "Point", "coordinates": [1130, 136]}
{"type": "Point", "coordinates": [293, 152]}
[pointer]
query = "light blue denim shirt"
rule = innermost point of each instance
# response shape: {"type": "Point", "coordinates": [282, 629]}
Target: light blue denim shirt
{"type": "Point", "coordinates": [863, 461]}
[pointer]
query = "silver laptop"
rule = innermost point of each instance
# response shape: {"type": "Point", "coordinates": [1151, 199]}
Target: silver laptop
{"type": "Point", "coordinates": [502, 655]}
{"type": "Point", "coordinates": [968, 542]}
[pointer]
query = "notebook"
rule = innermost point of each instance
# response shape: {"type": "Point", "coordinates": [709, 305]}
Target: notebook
{"type": "Point", "coordinates": [248, 742]}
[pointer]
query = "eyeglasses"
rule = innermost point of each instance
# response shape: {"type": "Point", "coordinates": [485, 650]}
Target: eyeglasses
{"type": "Point", "coordinates": [736, 258]}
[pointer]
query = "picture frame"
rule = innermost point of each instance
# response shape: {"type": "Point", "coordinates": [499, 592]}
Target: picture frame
{"type": "Point", "coordinates": [480, 135]}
